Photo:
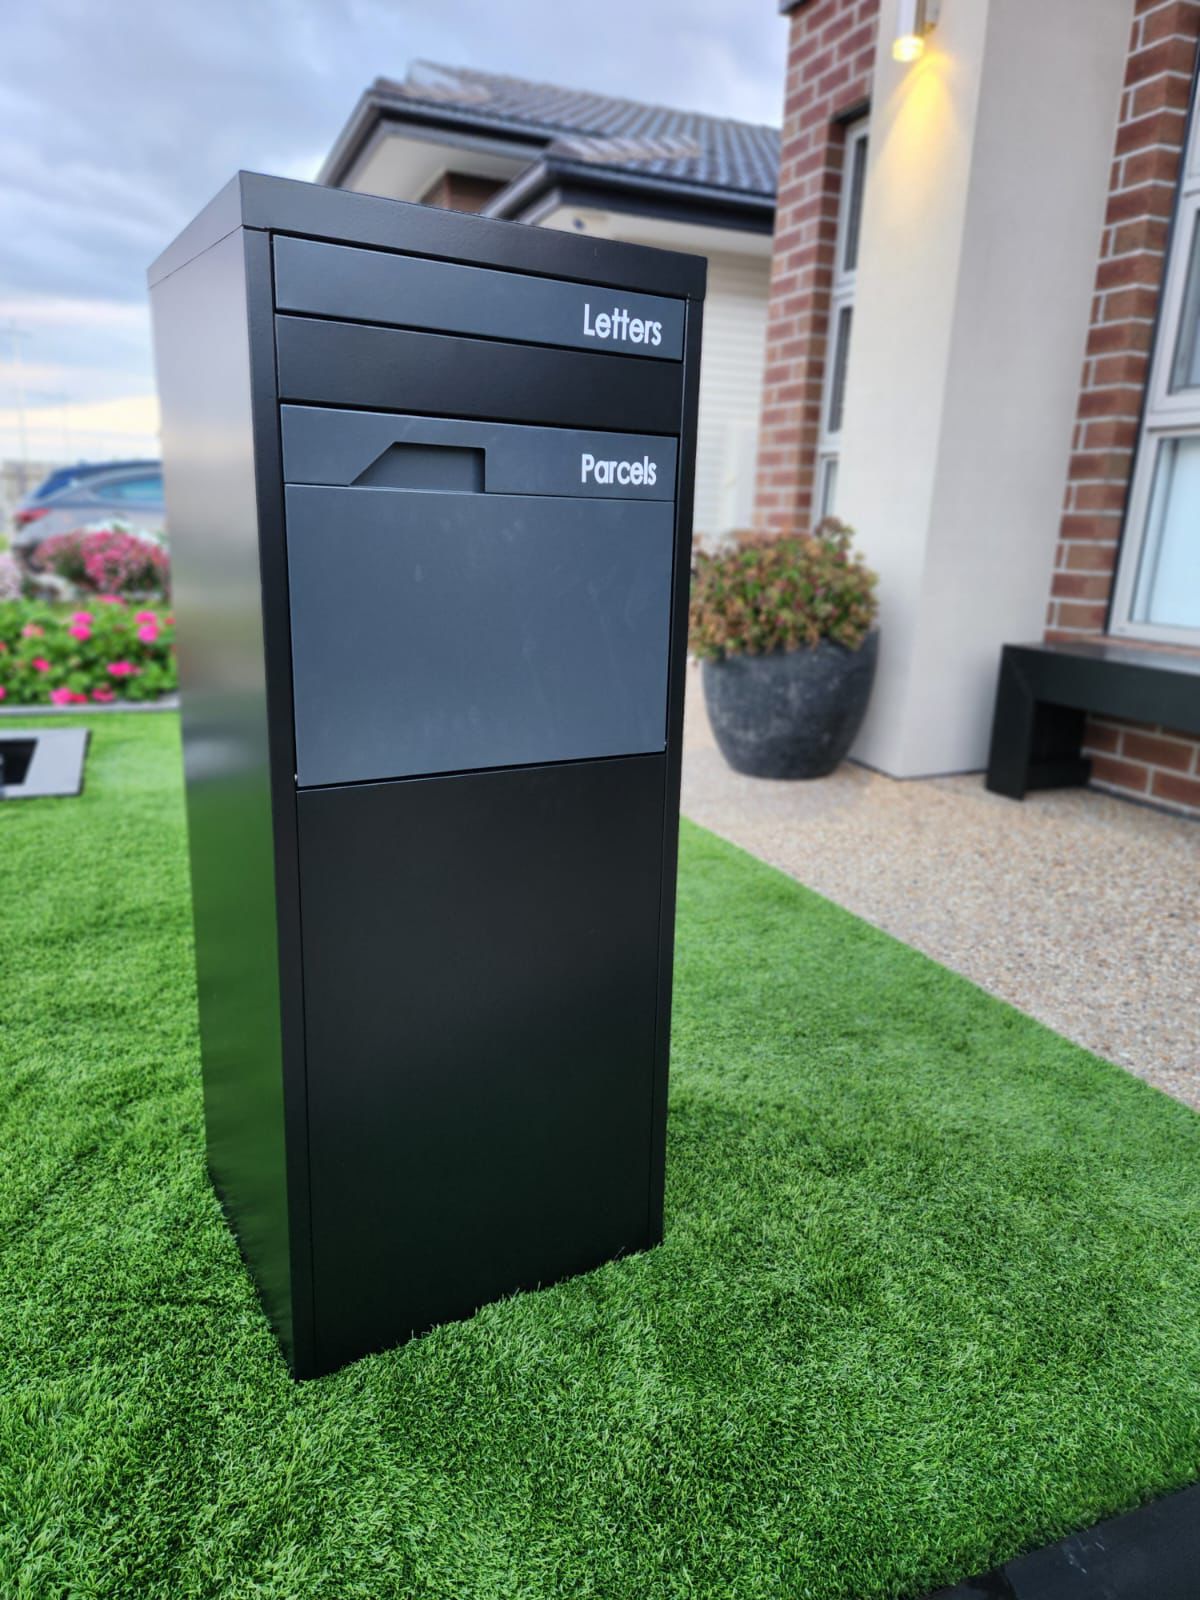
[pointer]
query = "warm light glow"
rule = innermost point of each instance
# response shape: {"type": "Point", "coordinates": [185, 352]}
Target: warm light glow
{"type": "Point", "coordinates": [914, 18]}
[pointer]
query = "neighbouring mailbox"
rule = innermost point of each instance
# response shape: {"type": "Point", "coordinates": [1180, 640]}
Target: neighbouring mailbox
{"type": "Point", "coordinates": [429, 497]}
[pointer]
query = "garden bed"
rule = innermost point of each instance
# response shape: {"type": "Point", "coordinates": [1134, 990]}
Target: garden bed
{"type": "Point", "coordinates": [93, 652]}
{"type": "Point", "coordinates": [928, 1295]}
{"type": "Point", "coordinates": [103, 633]}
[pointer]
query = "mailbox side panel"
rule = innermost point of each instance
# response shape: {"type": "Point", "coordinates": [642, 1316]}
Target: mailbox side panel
{"type": "Point", "coordinates": [215, 363]}
{"type": "Point", "coordinates": [676, 683]}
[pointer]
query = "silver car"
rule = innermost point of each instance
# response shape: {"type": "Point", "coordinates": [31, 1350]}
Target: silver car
{"type": "Point", "coordinates": [131, 494]}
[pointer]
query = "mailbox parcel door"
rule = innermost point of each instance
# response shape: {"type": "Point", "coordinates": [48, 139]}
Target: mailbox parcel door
{"type": "Point", "coordinates": [471, 595]}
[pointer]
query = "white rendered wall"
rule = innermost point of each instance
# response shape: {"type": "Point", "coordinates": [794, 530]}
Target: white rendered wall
{"type": "Point", "coordinates": [731, 378]}
{"type": "Point", "coordinates": [988, 174]}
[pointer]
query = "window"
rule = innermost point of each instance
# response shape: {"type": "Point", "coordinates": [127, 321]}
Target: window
{"type": "Point", "coordinates": [841, 316]}
{"type": "Point", "coordinates": [64, 478]}
{"type": "Point", "coordinates": [1157, 593]}
{"type": "Point", "coordinates": [1167, 587]}
{"type": "Point", "coordinates": [139, 491]}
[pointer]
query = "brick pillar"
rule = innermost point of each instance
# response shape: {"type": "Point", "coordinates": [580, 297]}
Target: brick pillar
{"type": "Point", "coordinates": [831, 56]}
{"type": "Point", "coordinates": [1145, 172]}
{"type": "Point", "coordinates": [1149, 143]}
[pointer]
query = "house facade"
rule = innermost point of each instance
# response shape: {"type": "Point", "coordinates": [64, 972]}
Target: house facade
{"type": "Point", "coordinates": [983, 348]}
{"type": "Point", "coordinates": [608, 168]}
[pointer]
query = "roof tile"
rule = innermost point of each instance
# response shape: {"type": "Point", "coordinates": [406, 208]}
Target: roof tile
{"type": "Point", "coordinates": [602, 130]}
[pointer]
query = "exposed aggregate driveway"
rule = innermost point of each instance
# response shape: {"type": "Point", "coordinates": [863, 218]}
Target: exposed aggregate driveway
{"type": "Point", "coordinates": [1080, 909]}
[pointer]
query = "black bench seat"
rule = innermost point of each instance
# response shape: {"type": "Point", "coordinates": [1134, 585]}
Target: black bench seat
{"type": "Point", "coordinates": [1046, 691]}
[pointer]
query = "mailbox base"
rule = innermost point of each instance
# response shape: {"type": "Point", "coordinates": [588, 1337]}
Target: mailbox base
{"type": "Point", "coordinates": [480, 958]}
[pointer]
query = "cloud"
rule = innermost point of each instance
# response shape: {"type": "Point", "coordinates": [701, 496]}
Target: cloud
{"type": "Point", "coordinates": [125, 426]}
{"type": "Point", "coordinates": [118, 121]}
{"type": "Point", "coordinates": [51, 311]}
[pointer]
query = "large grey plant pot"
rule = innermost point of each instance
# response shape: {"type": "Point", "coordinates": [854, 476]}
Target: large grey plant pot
{"type": "Point", "coordinates": [791, 714]}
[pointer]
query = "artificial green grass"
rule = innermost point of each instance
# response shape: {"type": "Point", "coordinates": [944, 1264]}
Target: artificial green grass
{"type": "Point", "coordinates": [929, 1293]}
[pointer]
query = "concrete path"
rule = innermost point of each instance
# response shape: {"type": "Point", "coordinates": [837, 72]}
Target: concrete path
{"type": "Point", "coordinates": [1082, 910]}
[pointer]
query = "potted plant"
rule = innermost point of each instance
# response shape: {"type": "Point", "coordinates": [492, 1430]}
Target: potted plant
{"type": "Point", "coordinates": [785, 631]}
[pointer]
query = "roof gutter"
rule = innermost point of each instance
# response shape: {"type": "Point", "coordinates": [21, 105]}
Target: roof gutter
{"type": "Point", "coordinates": [349, 142]}
{"type": "Point", "coordinates": [745, 209]}
{"type": "Point", "coordinates": [376, 106]}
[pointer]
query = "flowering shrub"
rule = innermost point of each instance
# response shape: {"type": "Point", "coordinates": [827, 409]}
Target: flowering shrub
{"type": "Point", "coordinates": [787, 593]}
{"type": "Point", "coordinates": [53, 657]}
{"type": "Point", "coordinates": [109, 560]}
{"type": "Point", "coordinates": [10, 577]}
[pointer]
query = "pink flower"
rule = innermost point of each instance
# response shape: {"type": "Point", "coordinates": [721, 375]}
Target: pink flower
{"type": "Point", "coordinates": [3, 647]}
{"type": "Point", "coordinates": [170, 620]}
{"type": "Point", "coordinates": [32, 631]}
{"type": "Point", "coordinates": [40, 664]}
{"type": "Point", "coordinates": [120, 669]}
{"type": "Point", "coordinates": [81, 616]}
{"type": "Point", "coordinates": [79, 630]}
{"type": "Point", "coordinates": [78, 699]}
{"type": "Point", "coordinates": [103, 696]}
{"type": "Point", "coordinates": [110, 599]}
{"type": "Point", "coordinates": [147, 633]}
{"type": "Point", "coordinates": [61, 697]}
{"type": "Point", "coordinates": [145, 616]}
{"type": "Point", "coordinates": [117, 562]}
{"type": "Point", "coordinates": [3, 692]}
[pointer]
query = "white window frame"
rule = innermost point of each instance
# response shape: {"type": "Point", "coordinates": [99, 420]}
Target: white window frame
{"type": "Point", "coordinates": [1167, 416]}
{"type": "Point", "coordinates": [841, 299]}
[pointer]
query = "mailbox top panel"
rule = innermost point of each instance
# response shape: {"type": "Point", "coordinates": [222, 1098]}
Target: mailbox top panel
{"type": "Point", "coordinates": [331, 280]}
{"type": "Point", "coordinates": [282, 205]}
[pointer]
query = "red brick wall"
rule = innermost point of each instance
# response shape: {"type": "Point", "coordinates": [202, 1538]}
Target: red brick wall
{"type": "Point", "coordinates": [460, 191]}
{"type": "Point", "coordinates": [831, 55]}
{"type": "Point", "coordinates": [1146, 763]}
{"type": "Point", "coordinates": [1149, 141]}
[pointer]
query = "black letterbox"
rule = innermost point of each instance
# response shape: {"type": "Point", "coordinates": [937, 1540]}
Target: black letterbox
{"type": "Point", "coordinates": [429, 499]}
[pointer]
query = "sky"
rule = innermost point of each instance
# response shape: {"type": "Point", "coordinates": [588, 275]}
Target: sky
{"type": "Point", "coordinates": [119, 120]}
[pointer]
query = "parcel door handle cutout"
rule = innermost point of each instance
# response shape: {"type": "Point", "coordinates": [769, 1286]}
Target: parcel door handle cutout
{"type": "Point", "coordinates": [453, 469]}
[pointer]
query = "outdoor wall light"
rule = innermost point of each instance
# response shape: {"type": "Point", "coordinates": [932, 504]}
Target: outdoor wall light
{"type": "Point", "coordinates": [914, 18]}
